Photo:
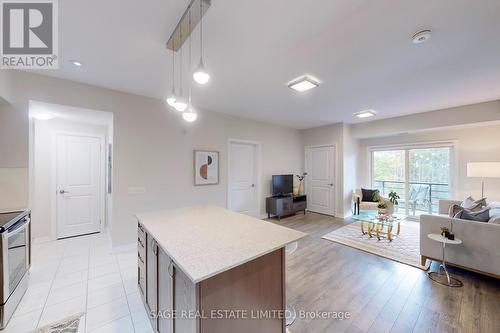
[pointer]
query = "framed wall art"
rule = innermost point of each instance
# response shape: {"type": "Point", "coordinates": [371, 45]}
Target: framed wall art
{"type": "Point", "coordinates": [206, 167]}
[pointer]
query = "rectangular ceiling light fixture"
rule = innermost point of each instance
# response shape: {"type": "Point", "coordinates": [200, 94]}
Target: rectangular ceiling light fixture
{"type": "Point", "coordinates": [303, 83]}
{"type": "Point", "coordinates": [365, 114]}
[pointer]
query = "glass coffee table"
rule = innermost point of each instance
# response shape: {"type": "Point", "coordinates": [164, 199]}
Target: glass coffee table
{"type": "Point", "coordinates": [373, 224]}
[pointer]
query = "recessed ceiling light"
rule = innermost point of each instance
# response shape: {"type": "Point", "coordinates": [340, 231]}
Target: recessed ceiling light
{"type": "Point", "coordinates": [421, 36]}
{"type": "Point", "coordinates": [365, 113]}
{"type": "Point", "coordinates": [303, 84]}
{"type": "Point", "coordinates": [76, 63]}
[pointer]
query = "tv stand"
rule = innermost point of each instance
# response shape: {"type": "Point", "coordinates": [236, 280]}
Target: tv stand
{"type": "Point", "coordinates": [280, 206]}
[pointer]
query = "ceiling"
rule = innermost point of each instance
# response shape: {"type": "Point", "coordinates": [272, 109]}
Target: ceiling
{"type": "Point", "coordinates": [360, 50]}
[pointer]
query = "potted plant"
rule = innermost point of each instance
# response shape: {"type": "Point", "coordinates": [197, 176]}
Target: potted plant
{"type": "Point", "coordinates": [445, 232]}
{"type": "Point", "coordinates": [382, 208]}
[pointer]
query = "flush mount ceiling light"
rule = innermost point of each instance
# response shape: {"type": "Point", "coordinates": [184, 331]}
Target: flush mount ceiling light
{"type": "Point", "coordinates": [76, 63]}
{"type": "Point", "coordinates": [365, 113]}
{"type": "Point", "coordinates": [303, 84]}
{"type": "Point", "coordinates": [421, 36]}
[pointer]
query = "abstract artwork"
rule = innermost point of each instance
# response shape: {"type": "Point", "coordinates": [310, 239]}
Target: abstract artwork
{"type": "Point", "coordinates": [206, 167]}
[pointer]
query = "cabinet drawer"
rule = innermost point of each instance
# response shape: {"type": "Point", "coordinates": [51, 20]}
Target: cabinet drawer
{"type": "Point", "coordinates": [299, 206]}
{"type": "Point", "coordinates": [141, 280]}
{"type": "Point", "coordinates": [141, 249]}
{"type": "Point", "coordinates": [141, 234]}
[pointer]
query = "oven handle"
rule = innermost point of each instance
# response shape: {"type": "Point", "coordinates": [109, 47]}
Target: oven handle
{"type": "Point", "coordinates": [19, 228]}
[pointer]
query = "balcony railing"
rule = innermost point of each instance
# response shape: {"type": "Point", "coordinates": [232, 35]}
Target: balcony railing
{"type": "Point", "coordinates": [424, 197]}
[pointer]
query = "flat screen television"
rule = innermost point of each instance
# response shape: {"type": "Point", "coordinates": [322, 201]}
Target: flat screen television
{"type": "Point", "coordinates": [282, 184]}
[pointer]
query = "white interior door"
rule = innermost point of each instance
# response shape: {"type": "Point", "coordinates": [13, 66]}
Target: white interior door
{"type": "Point", "coordinates": [320, 180]}
{"type": "Point", "coordinates": [243, 184]}
{"type": "Point", "coordinates": [78, 177]}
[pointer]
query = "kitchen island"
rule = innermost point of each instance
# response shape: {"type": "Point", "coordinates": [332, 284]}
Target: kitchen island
{"type": "Point", "coordinates": [207, 269]}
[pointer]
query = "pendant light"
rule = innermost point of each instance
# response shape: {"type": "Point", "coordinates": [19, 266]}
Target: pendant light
{"type": "Point", "coordinates": [180, 102]}
{"type": "Point", "coordinates": [201, 75]}
{"type": "Point", "coordinates": [171, 98]}
{"type": "Point", "coordinates": [190, 115]}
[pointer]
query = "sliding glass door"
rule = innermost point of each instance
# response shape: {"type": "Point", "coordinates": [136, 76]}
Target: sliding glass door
{"type": "Point", "coordinates": [388, 174]}
{"type": "Point", "coordinates": [420, 175]}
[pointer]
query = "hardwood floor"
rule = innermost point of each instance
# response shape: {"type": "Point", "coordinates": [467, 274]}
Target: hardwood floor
{"type": "Point", "coordinates": [380, 294]}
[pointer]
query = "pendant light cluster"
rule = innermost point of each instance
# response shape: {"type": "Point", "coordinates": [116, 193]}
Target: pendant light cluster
{"type": "Point", "coordinates": [200, 75]}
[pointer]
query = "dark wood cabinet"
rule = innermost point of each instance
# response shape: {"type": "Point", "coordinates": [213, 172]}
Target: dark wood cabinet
{"type": "Point", "coordinates": [260, 285]}
{"type": "Point", "coordinates": [166, 273]}
{"type": "Point", "coordinates": [152, 277]}
{"type": "Point", "coordinates": [286, 205]}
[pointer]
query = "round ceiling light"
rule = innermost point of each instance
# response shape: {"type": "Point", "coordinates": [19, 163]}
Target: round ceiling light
{"type": "Point", "coordinates": [421, 37]}
{"type": "Point", "coordinates": [201, 75]}
{"type": "Point", "coordinates": [180, 104]}
{"type": "Point", "coordinates": [190, 115]}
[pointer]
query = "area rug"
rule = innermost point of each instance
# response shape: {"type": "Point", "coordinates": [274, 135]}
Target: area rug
{"type": "Point", "coordinates": [66, 325]}
{"type": "Point", "coordinates": [404, 248]}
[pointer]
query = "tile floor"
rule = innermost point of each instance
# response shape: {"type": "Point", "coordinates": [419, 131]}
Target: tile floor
{"type": "Point", "coordinates": [81, 275]}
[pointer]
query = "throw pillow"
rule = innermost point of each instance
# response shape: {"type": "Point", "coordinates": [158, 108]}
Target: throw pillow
{"type": "Point", "coordinates": [480, 216]}
{"type": "Point", "coordinates": [454, 210]}
{"type": "Point", "coordinates": [473, 205]}
{"type": "Point", "coordinates": [370, 195]}
{"type": "Point", "coordinates": [467, 203]}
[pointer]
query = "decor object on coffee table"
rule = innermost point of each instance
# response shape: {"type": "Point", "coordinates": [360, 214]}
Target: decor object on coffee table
{"type": "Point", "coordinates": [382, 208]}
{"type": "Point", "coordinates": [444, 279]}
{"type": "Point", "coordinates": [206, 167]}
{"type": "Point", "coordinates": [483, 170]}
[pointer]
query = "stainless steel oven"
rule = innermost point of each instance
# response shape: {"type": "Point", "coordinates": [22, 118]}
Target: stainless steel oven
{"type": "Point", "coordinates": [15, 260]}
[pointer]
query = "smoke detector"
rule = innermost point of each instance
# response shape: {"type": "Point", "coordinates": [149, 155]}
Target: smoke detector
{"type": "Point", "coordinates": [421, 37]}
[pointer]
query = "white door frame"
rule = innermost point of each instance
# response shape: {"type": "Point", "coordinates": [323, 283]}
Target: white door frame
{"type": "Point", "coordinates": [258, 181]}
{"type": "Point", "coordinates": [102, 177]}
{"type": "Point", "coordinates": [338, 190]}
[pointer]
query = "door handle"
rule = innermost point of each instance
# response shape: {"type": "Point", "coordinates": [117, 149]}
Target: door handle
{"type": "Point", "coordinates": [253, 185]}
{"type": "Point", "coordinates": [63, 191]}
{"type": "Point", "coordinates": [330, 184]}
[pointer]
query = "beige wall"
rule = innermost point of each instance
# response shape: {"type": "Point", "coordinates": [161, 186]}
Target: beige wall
{"type": "Point", "coordinates": [153, 146]}
{"type": "Point", "coordinates": [473, 144]}
{"type": "Point", "coordinates": [351, 162]}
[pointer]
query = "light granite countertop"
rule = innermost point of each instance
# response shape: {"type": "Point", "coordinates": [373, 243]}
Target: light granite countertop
{"type": "Point", "coordinates": [204, 241]}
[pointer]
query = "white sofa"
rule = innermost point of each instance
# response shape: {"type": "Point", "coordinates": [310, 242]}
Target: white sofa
{"type": "Point", "coordinates": [368, 205]}
{"type": "Point", "coordinates": [480, 250]}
